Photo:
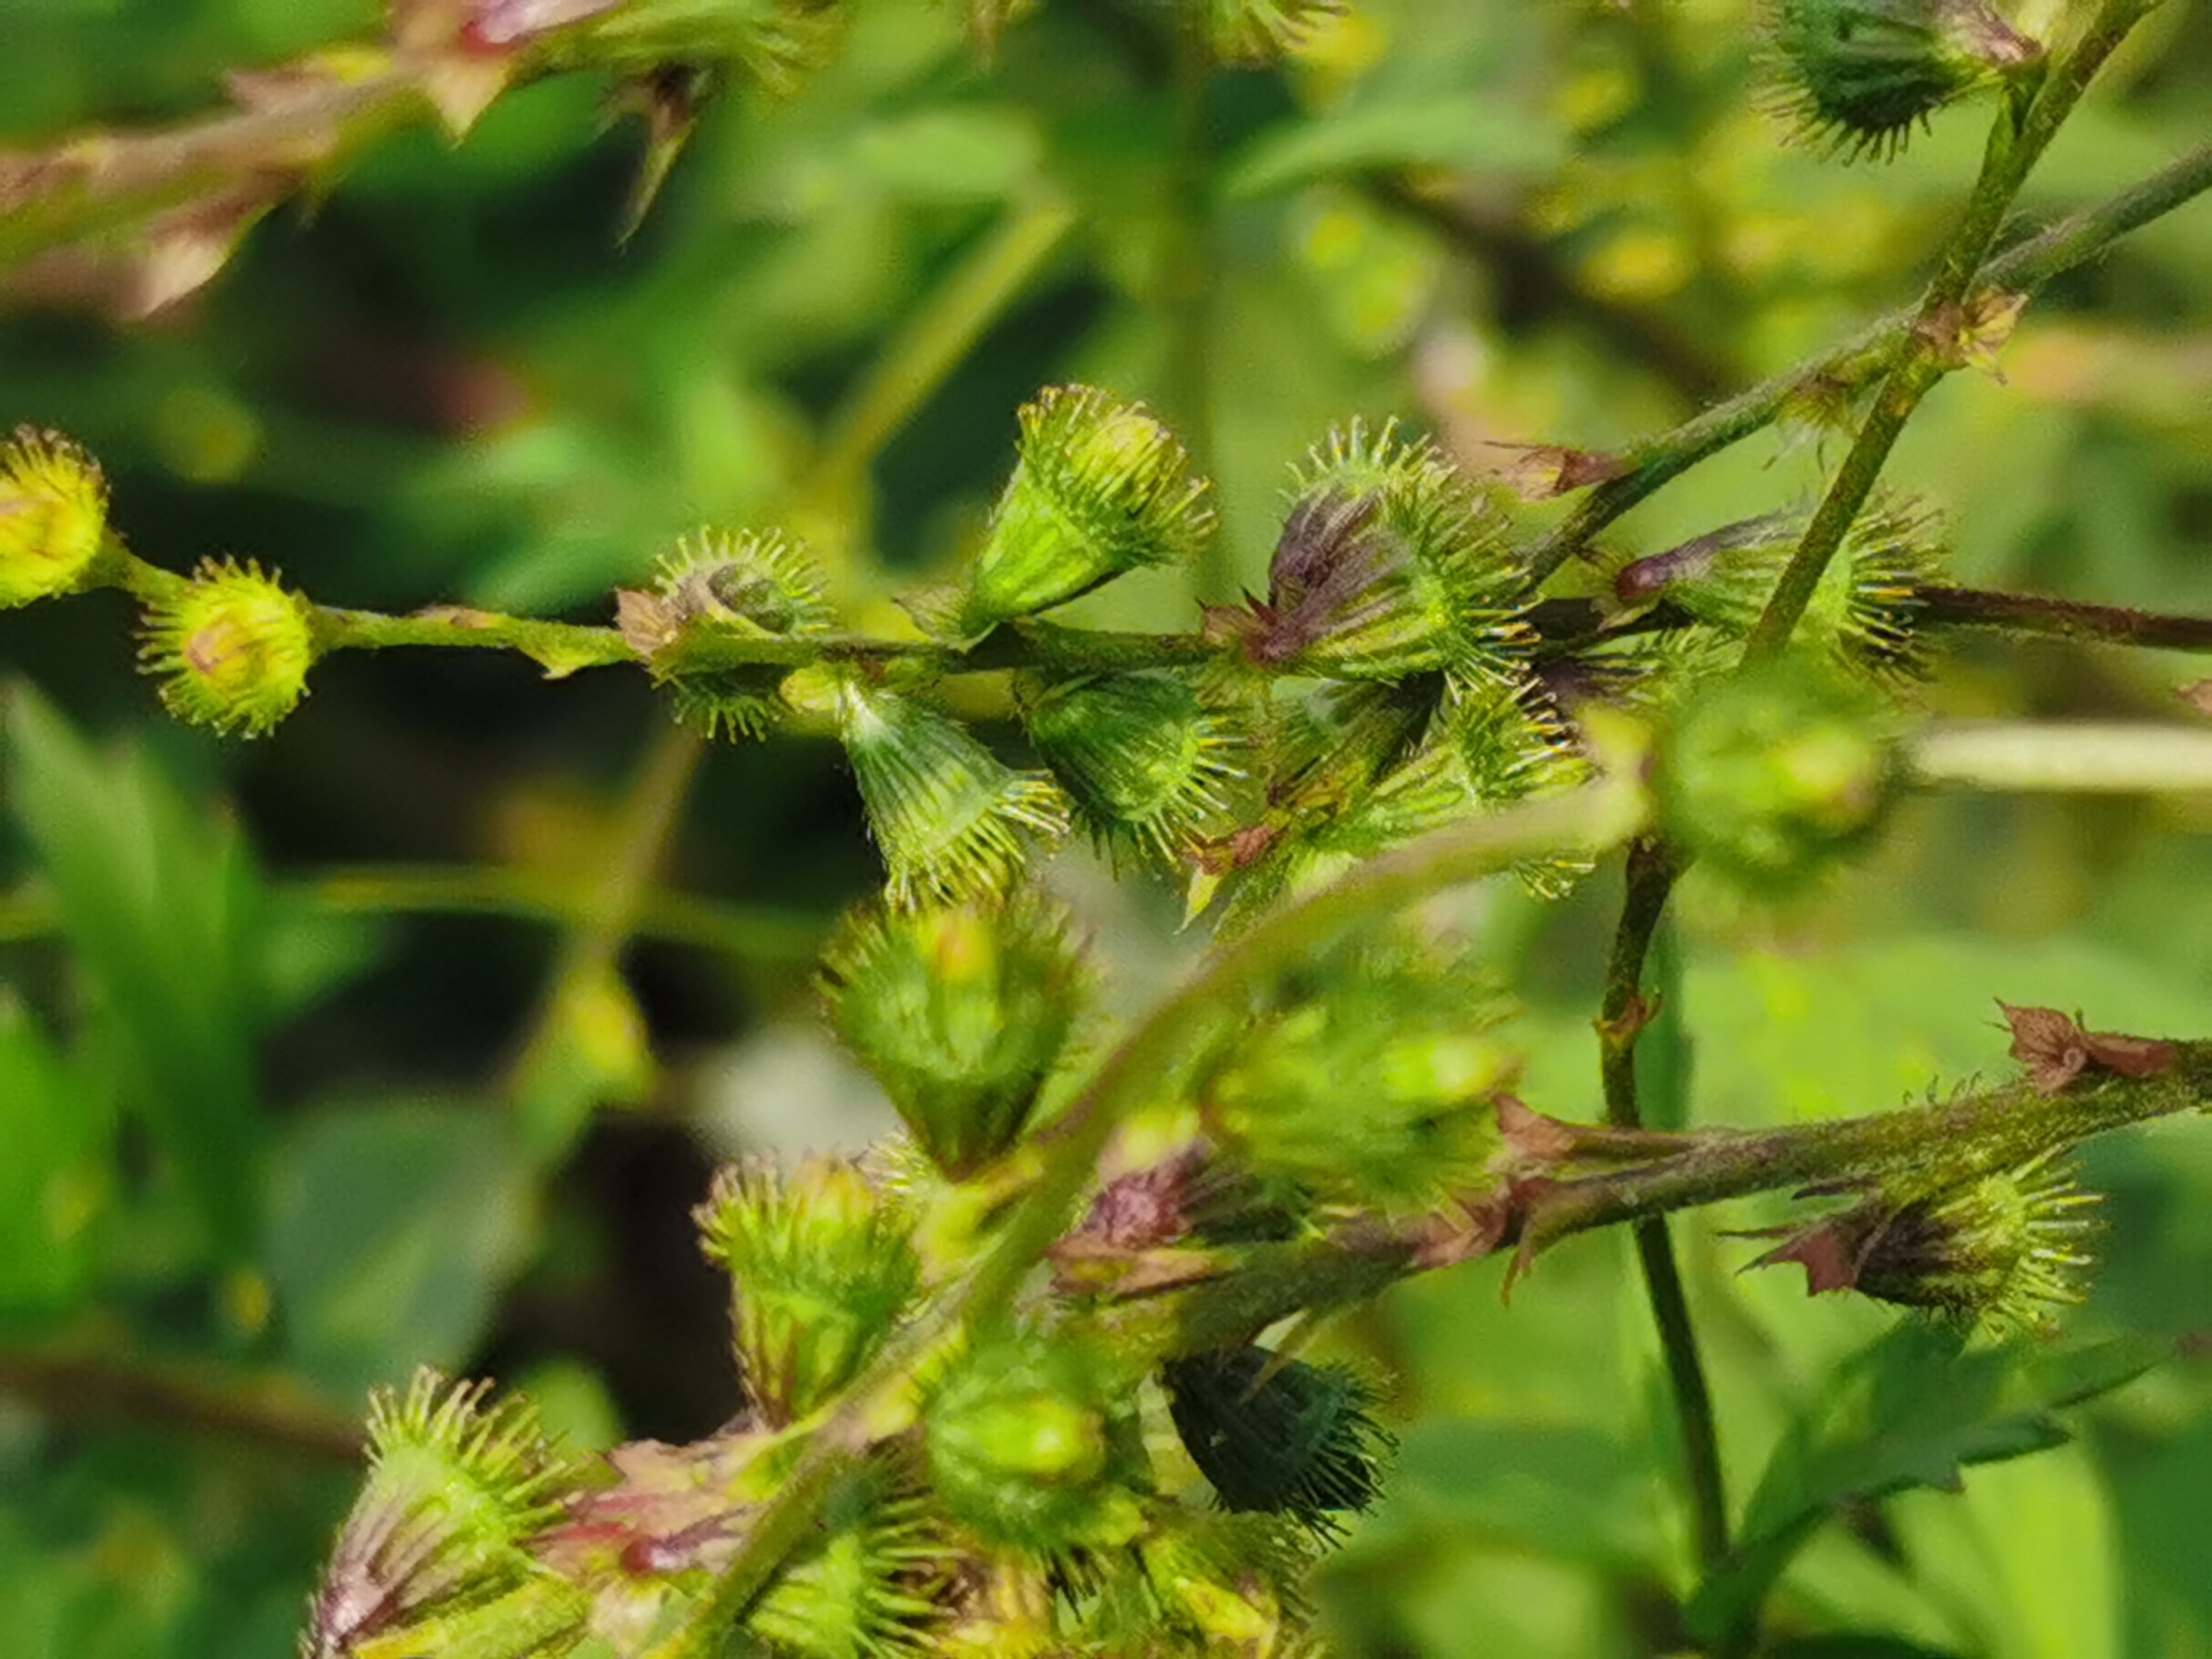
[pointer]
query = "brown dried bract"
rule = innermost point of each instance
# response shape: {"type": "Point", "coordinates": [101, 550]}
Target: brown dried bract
{"type": "Point", "coordinates": [1537, 472]}
{"type": "Point", "coordinates": [2056, 1049]}
{"type": "Point", "coordinates": [2197, 697]}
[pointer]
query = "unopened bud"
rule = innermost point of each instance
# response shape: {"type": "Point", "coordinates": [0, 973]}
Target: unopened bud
{"type": "Point", "coordinates": [54, 514]}
{"type": "Point", "coordinates": [1855, 77]}
{"type": "Point", "coordinates": [232, 649]}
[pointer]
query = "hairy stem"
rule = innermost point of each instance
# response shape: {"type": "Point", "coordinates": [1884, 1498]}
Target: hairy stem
{"type": "Point", "coordinates": [1623, 1014]}
{"type": "Point", "coordinates": [1659, 461]}
{"type": "Point", "coordinates": [2015, 143]}
{"type": "Point", "coordinates": [2062, 619]}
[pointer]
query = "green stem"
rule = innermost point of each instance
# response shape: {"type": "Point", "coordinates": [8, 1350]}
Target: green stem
{"type": "Point", "coordinates": [1657, 461]}
{"type": "Point", "coordinates": [2085, 758]}
{"type": "Point", "coordinates": [1593, 819]}
{"type": "Point", "coordinates": [1962, 1140]}
{"type": "Point", "coordinates": [81, 1382]}
{"type": "Point", "coordinates": [1623, 1013]}
{"type": "Point", "coordinates": [932, 341]}
{"type": "Point", "coordinates": [2014, 145]}
{"type": "Point", "coordinates": [1188, 274]}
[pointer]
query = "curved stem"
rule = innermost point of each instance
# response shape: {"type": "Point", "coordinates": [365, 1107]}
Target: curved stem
{"type": "Point", "coordinates": [1659, 461]}
{"type": "Point", "coordinates": [2015, 143]}
{"type": "Point", "coordinates": [1623, 1014]}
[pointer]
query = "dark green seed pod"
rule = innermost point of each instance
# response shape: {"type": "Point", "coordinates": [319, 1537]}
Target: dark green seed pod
{"type": "Point", "coordinates": [1276, 1435]}
{"type": "Point", "coordinates": [1855, 77]}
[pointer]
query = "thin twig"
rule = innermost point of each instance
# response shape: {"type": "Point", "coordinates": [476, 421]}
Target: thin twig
{"type": "Point", "coordinates": [85, 1384]}
{"type": "Point", "coordinates": [1623, 1014]}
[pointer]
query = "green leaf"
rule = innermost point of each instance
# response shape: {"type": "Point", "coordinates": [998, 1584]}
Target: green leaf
{"type": "Point", "coordinates": [1445, 129]}
{"type": "Point", "coordinates": [56, 1128]}
{"type": "Point", "coordinates": [392, 1227]}
{"type": "Point", "coordinates": [1914, 1409]}
{"type": "Point", "coordinates": [161, 906]}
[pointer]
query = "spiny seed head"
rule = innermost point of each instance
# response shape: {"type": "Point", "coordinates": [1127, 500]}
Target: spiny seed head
{"type": "Point", "coordinates": [870, 1587]}
{"type": "Point", "coordinates": [1142, 756]}
{"type": "Point", "coordinates": [1854, 78]}
{"type": "Point", "coordinates": [1770, 775]}
{"type": "Point", "coordinates": [53, 515]}
{"type": "Point", "coordinates": [1369, 1082]}
{"type": "Point", "coordinates": [820, 1264]}
{"type": "Point", "coordinates": [1278, 1436]}
{"type": "Point", "coordinates": [1862, 611]}
{"type": "Point", "coordinates": [1391, 563]}
{"type": "Point", "coordinates": [961, 1012]}
{"type": "Point", "coordinates": [1025, 1444]}
{"type": "Point", "coordinates": [455, 1491]}
{"type": "Point", "coordinates": [232, 649]}
{"type": "Point", "coordinates": [1259, 32]}
{"type": "Point", "coordinates": [2003, 1251]}
{"type": "Point", "coordinates": [1100, 487]}
{"type": "Point", "coordinates": [950, 818]}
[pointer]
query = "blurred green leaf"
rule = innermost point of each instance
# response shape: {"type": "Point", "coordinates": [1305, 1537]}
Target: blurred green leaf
{"type": "Point", "coordinates": [162, 904]}
{"type": "Point", "coordinates": [1445, 129]}
{"type": "Point", "coordinates": [393, 1226]}
{"type": "Point", "coordinates": [1915, 1409]}
{"type": "Point", "coordinates": [54, 1176]}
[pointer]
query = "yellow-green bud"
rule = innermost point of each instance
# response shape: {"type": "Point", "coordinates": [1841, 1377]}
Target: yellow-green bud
{"type": "Point", "coordinates": [1372, 1082]}
{"type": "Point", "coordinates": [1855, 77]}
{"type": "Point", "coordinates": [865, 1591]}
{"type": "Point", "coordinates": [1768, 777]}
{"type": "Point", "coordinates": [949, 817]}
{"type": "Point", "coordinates": [1024, 1447]}
{"type": "Point", "coordinates": [1100, 487]}
{"type": "Point", "coordinates": [232, 649]}
{"type": "Point", "coordinates": [961, 1012]}
{"type": "Point", "coordinates": [1391, 563]}
{"type": "Point", "coordinates": [455, 1492]}
{"type": "Point", "coordinates": [1143, 758]}
{"type": "Point", "coordinates": [820, 1264]}
{"type": "Point", "coordinates": [53, 515]}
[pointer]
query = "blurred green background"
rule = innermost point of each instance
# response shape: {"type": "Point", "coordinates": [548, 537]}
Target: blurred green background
{"type": "Point", "coordinates": [320, 1058]}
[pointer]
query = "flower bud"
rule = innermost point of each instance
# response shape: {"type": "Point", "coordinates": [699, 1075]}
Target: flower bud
{"type": "Point", "coordinates": [947, 815]}
{"type": "Point", "coordinates": [1391, 563]}
{"type": "Point", "coordinates": [454, 1494]}
{"type": "Point", "coordinates": [719, 587]}
{"type": "Point", "coordinates": [1100, 488]}
{"type": "Point", "coordinates": [1371, 1083]}
{"type": "Point", "coordinates": [1855, 77]}
{"type": "Point", "coordinates": [867, 1589]}
{"type": "Point", "coordinates": [820, 1264]}
{"type": "Point", "coordinates": [1861, 613]}
{"type": "Point", "coordinates": [1142, 757]}
{"type": "Point", "coordinates": [2001, 1250]}
{"type": "Point", "coordinates": [961, 1012]}
{"type": "Point", "coordinates": [1276, 1435]}
{"type": "Point", "coordinates": [1768, 775]}
{"type": "Point", "coordinates": [53, 515]}
{"type": "Point", "coordinates": [1024, 1448]}
{"type": "Point", "coordinates": [233, 648]}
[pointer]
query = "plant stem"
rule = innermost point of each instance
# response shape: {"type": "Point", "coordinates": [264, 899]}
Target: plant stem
{"type": "Point", "coordinates": [1189, 275]}
{"type": "Point", "coordinates": [2083, 759]}
{"type": "Point", "coordinates": [74, 1381]}
{"type": "Point", "coordinates": [2015, 143]}
{"type": "Point", "coordinates": [2063, 619]}
{"type": "Point", "coordinates": [1623, 1014]}
{"type": "Point", "coordinates": [932, 341]}
{"type": "Point", "coordinates": [1657, 461]}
